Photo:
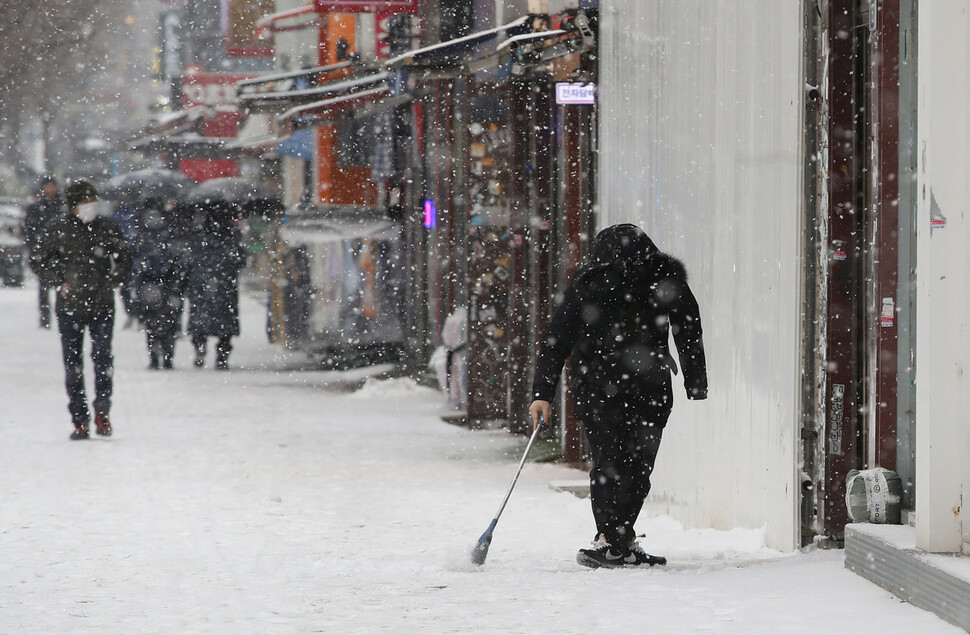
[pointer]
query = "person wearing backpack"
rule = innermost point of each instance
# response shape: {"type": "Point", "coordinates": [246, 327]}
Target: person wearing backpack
{"type": "Point", "coordinates": [157, 280]}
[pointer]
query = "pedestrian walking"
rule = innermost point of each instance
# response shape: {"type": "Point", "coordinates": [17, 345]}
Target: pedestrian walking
{"type": "Point", "coordinates": [46, 208]}
{"type": "Point", "coordinates": [124, 214]}
{"type": "Point", "coordinates": [217, 257]}
{"type": "Point", "coordinates": [84, 256]}
{"type": "Point", "coordinates": [615, 321]}
{"type": "Point", "coordinates": [158, 280]}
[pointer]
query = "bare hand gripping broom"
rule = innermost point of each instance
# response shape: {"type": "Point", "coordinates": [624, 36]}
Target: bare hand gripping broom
{"type": "Point", "coordinates": [481, 549]}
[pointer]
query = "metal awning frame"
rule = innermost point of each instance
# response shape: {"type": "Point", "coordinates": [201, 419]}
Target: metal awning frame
{"type": "Point", "coordinates": [430, 54]}
{"type": "Point", "coordinates": [187, 147]}
{"type": "Point", "coordinates": [281, 101]}
{"type": "Point", "coordinates": [268, 23]}
{"type": "Point", "coordinates": [525, 58]}
{"type": "Point", "coordinates": [323, 112]}
{"type": "Point", "coordinates": [246, 87]}
{"type": "Point", "coordinates": [176, 124]}
{"type": "Point", "coordinates": [520, 52]}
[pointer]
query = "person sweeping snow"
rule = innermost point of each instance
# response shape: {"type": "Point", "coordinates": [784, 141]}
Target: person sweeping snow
{"type": "Point", "coordinates": [614, 321]}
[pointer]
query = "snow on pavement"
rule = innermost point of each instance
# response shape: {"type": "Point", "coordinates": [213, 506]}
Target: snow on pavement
{"type": "Point", "coordinates": [272, 500]}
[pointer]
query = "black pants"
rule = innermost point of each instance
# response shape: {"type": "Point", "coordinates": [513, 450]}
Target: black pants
{"type": "Point", "coordinates": [161, 329]}
{"type": "Point", "coordinates": [44, 302]}
{"type": "Point", "coordinates": [161, 347]}
{"type": "Point", "coordinates": [623, 451]}
{"type": "Point", "coordinates": [223, 346]}
{"type": "Point", "coordinates": [101, 328]}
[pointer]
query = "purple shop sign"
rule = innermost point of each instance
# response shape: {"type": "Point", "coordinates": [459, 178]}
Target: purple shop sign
{"type": "Point", "coordinates": [430, 214]}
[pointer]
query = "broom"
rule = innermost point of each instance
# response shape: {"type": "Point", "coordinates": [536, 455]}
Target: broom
{"type": "Point", "coordinates": [481, 549]}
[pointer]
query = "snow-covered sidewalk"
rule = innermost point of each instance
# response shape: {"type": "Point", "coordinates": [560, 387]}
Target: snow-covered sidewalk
{"type": "Point", "coordinates": [272, 500]}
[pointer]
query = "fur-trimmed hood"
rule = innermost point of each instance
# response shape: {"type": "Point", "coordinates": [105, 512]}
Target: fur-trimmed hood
{"type": "Point", "coordinates": [622, 246]}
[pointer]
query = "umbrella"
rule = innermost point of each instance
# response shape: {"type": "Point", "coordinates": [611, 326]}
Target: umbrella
{"type": "Point", "coordinates": [144, 184]}
{"type": "Point", "coordinates": [250, 198]}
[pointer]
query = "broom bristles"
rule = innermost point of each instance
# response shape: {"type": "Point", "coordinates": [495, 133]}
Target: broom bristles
{"type": "Point", "coordinates": [480, 553]}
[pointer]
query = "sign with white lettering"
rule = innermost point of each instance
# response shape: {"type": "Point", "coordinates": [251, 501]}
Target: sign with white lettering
{"type": "Point", "coordinates": [218, 92]}
{"type": "Point", "coordinates": [569, 93]}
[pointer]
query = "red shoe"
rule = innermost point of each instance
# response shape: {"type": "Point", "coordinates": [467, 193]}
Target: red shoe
{"type": "Point", "coordinates": [103, 425]}
{"type": "Point", "coordinates": [80, 432]}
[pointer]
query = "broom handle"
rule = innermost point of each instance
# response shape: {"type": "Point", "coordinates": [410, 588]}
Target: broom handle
{"type": "Point", "coordinates": [525, 455]}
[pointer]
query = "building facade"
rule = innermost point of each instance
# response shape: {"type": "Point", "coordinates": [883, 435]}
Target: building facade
{"type": "Point", "coordinates": [804, 160]}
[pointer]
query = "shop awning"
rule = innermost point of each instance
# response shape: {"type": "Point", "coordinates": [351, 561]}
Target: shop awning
{"type": "Point", "coordinates": [528, 53]}
{"type": "Point", "coordinates": [187, 146]}
{"type": "Point", "coordinates": [521, 47]}
{"type": "Point", "coordinates": [281, 101]}
{"type": "Point", "coordinates": [277, 82]}
{"type": "Point", "coordinates": [169, 125]}
{"type": "Point", "coordinates": [435, 53]}
{"type": "Point", "coordinates": [318, 112]}
{"type": "Point", "coordinates": [517, 41]}
{"type": "Point", "coordinates": [304, 17]}
{"type": "Point", "coordinates": [179, 121]}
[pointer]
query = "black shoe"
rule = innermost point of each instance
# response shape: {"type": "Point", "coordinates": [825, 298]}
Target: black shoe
{"type": "Point", "coordinates": [103, 425]}
{"type": "Point", "coordinates": [222, 364]}
{"type": "Point", "coordinates": [641, 557]}
{"type": "Point", "coordinates": [167, 363]}
{"type": "Point", "coordinates": [199, 361]}
{"type": "Point", "coordinates": [80, 432]}
{"type": "Point", "coordinates": [601, 554]}
{"type": "Point", "coordinates": [153, 362]}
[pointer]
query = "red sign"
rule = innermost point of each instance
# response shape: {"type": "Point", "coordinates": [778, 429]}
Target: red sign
{"type": "Point", "coordinates": [200, 170]}
{"type": "Point", "coordinates": [218, 91]}
{"type": "Point", "coordinates": [366, 6]}
{"type": "Point", "coordinates": [210, 89]}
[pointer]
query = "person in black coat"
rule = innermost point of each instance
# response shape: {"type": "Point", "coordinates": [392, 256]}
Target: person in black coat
{"type": "Point", "coordinates": [46, 208]}
{"type": "Point", "coordinates": [84, 256]}
{"type": "Point", "coordinates": [615, 321]}
{"type": "Point", "coordinates": [213, 288]}
{"type": "Point", "coordinates": [158, 279]}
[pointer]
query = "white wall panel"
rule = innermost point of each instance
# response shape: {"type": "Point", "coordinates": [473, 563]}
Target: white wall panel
{"type": "Point", "coordinates": [943, 296]}
{"type": "Point", "coordinates": [700, 111]}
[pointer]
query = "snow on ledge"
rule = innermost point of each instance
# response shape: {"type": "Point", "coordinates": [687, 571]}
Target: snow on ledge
{"type": "Point", "coordinates": [394, 387]}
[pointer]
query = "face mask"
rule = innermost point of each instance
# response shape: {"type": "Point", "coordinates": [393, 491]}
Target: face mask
{"type": "Point", "coordinates": [87, 212]}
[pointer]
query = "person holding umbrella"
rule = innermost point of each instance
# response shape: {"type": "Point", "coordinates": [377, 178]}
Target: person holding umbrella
{"type": "Point", "coordinates": [615, 321]}
{"type": "Point", "coordinates": [84, 256]}
{"type": "Point", "coordinates": [131, 190]}
{"type": "Point", "coordinates": [217, 257]}
{"type": "Point", "coordinates": [158, 279]}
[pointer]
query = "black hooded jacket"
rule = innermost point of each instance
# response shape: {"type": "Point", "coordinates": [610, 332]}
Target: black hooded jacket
{"type": "Point", "coordinates": [615, 320]}
{"type": "Point", "coordinates": [91, 258]}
